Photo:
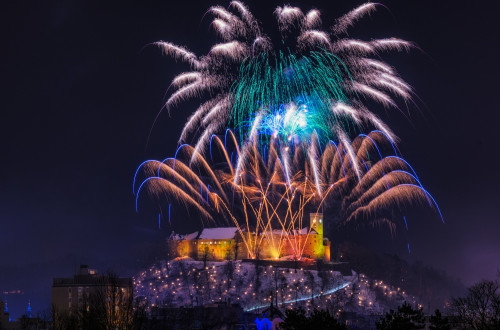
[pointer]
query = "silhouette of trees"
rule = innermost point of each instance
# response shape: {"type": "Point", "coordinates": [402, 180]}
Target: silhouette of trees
{"type": "Point", "coordinates": [296, 319]}
{"type": "Point", "coordinates": [405, 318]}
{"type": "Point", "coordinates": [480, 308]}
{"type": "Point", "coordinates": [438, 322]}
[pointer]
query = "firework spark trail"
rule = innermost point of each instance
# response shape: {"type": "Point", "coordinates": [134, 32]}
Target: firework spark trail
{"type": "Point", "coordinates": [246, 73]}
{"type": "Point", "coordinates": [296, 110]}
{"type": "Point", "coordinates": [348, 20]}
{"type": "Point", "coordinates": [270, 200]}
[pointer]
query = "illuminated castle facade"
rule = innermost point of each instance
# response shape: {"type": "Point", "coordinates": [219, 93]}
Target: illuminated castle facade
{"type": "Point", "coordinates": [225, 243]}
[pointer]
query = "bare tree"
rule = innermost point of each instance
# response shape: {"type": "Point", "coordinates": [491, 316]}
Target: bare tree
{"type": "Point", "coordinates": [229, 273]}
{"type": "Point", "coordinates": [205, 256]}
{"type": "Point", "coordinates": [64, 319]}
{"type": "Point", "coordinates": [480, 309]}
{"type": "Point", "coordinates": [107, 306]}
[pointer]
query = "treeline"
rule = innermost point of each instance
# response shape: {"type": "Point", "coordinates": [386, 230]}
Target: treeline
{"type": "Point", "coordinates": [478, 308]}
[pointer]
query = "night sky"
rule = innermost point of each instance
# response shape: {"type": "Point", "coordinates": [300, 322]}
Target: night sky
{"type": "Point", "coordinates": [80, 91]}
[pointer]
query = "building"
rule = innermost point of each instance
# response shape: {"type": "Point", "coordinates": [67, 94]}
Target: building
{"type": "Point", "coordinates": [224, 243]}
{"type": "Point", "coordinates": [4, 315]}
{"type": "Point", "coordinates": [87, 293]}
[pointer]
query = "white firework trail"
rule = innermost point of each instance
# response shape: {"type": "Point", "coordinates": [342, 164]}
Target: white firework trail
{"type": "Point", "coordinates": [215, 74]}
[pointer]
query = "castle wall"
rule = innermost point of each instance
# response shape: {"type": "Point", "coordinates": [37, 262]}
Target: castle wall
{"type": "Point", "coordinates": [215, 249]}
{"type": "Point", "coordinates": [270, 245]}
{"type": "Point", "coordinates": [327, 246]}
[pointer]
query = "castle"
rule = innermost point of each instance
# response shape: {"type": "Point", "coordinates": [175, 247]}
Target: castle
{"type": "Point", "coordinates": [225, 243]}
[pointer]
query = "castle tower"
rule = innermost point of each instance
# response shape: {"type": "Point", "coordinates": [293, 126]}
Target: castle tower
{"type": "Point", "coordinates": [28, 309]}
{"type": "Point", "coordinates": [316, 222]}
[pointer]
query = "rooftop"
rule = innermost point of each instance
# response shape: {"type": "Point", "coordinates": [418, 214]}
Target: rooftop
{"type": "Point", "coordinates": [218, 233]}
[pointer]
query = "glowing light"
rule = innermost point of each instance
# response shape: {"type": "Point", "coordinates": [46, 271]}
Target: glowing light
{"type": "Point", "coordinates": [272, 193]}
{"type": "Point", "coordinates": [286, 302]}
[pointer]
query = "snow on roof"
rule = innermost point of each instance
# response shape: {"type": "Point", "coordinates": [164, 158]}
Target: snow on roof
{"type": "Point", "coordinates": [303, 231]}
{"type": "Point", "coordinates": [191, 236]}
{"type": "Point", "coordinates": [174, 236]}
{"type": "Point", "coordinates": [218, 233]}
{"type": "Point", "coordinates": [273, 232]}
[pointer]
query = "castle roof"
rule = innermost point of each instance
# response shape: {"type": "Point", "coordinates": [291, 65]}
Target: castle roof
{"type": "Point", "coordinates": [218, 233]}
{"type": "Point", "coordinates": [191, 236]}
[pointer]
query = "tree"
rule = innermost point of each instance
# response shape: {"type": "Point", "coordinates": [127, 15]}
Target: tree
{"type": "Point", "coordinates": [229, 273]}
{"type": "Point", "coordinates": [64, 319]}
{"type": "Point", "coordinates": [40, 322]}
{"type": "Point", "coordinates": [480, 309]}
{"type": "Point", "coordinates": [296, 319]}
{"type": "Point", "coordinates": [236, 247]}
{"type": "Point", "coordinates": [405, 318]}
{"type": "Point", "coordinates": [205, 256]}
{"type": "Point", "coordinates": [311, 282]}
{"type": "Point", "coordinates": [438, 322]}
{"type": "Point", "coordinates": [108, 305]}
{"type": "Point", "coordinates": [140, 316]}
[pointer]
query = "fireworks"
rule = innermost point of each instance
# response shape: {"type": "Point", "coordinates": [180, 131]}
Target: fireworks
{"type": "Point", "coordinates": [245, 76]}
{"type": "Point", "coordinates": [259, 192]}
{"type": "Point", "coordinates": [289, 114]}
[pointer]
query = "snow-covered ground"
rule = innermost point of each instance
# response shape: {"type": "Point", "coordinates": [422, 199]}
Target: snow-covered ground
{"type": "Point", "coordinates": [186, 282]}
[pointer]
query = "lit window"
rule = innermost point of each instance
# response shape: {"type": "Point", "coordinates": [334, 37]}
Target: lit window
{"type": "Point", "coordinates": [320, 220]}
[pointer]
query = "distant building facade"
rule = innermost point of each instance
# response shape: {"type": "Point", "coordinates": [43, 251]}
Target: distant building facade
{"type": "Point", "coordinates": [105, 296]}
{"type": "Point", "coordinates": [230, 243]}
